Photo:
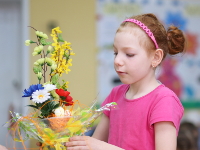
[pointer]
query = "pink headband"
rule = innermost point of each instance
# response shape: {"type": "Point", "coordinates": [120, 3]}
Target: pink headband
{"type": "Point", "coordinates": [145, 28]}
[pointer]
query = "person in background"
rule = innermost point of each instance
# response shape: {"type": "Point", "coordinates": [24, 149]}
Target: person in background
{"type": "Point", "coordinates": [188, 137]}
{"type": "Point", "coordinates": [149, 113]}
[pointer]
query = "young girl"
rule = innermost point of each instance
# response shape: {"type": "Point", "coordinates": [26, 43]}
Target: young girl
{"type": "Point", "coordinates": [149, 113]}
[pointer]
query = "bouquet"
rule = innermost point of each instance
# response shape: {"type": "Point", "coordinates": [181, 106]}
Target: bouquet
{"type": "Point", "coordinates": [53, 119]}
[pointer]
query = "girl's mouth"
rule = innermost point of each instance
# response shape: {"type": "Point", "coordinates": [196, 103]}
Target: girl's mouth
{"type": "Point", "coordinates": [121, 72]}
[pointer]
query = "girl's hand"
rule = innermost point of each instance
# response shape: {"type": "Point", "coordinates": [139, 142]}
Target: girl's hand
{"type": "Point", "coordinates": [83, 143]}
{"type": "Point", "coordinates": [3, 148]}
{"type": "Point", "coordinates": [88, 143]}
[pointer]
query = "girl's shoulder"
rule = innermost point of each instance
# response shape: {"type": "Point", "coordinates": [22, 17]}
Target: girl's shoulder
{"type": "Point", "coordinates": [164, 91]}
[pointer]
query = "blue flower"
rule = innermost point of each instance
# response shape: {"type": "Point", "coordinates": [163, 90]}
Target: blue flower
{"type": "Point", "coordinates": [176, 19]}
{"type": "Point", "coordinates": [28, 92]}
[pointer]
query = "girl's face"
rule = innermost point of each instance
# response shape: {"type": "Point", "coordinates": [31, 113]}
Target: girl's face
{"type": "Point", "coordinates": [132, 62]}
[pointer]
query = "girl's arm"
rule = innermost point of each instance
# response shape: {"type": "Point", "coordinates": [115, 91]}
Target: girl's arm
{"type": "Point", "coordinates": [97, 142]}
{"type": "Point", "coordinates": [165, 136]}
{"type": "Point", "coordinates": [102, 129]}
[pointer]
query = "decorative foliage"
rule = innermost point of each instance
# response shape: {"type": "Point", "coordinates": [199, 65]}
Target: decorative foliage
{"type": "Point", "coordinates": [53, 62]}
{"type": "Point", "coordinates": [54, 119]}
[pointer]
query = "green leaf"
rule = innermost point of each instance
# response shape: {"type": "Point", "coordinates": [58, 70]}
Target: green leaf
{"type": "Point", "coordinates": [32, 41]}
{"type": "Point", "coordinates": [44, 42]}
{"type": "Point", "coordinates": [54, 95]}
{"type": "Point", "coordinates": [39, 105]}
{"type": "Point", "coordinates": [33, 106]}
{"type": "Point", "coordinates": [58, 85]}
{"type": "Point", "coordinates": [56, 106]}
{"type": "Point", "coordinates": [54, 79]}
{"type": "Point", "coordinates": [48, 108]}
{"type": "Point", "coordinates": [60, 38]}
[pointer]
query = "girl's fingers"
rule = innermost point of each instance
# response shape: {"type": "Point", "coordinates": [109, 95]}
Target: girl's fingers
{"type": "Point", "coordinates": [39, 144]}
{"type": "Point", "coordinates": [77, 138]}
{"type": "Point", "coordinates": [75, 143]}
{"type": "Point", "coordinates": [78, 143]}
{"type": "Point", "coordinates": [77, 148]}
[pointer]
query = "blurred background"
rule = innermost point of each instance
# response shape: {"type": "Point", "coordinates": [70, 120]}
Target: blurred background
{"type": "Point", "coordinates": [90, 26]}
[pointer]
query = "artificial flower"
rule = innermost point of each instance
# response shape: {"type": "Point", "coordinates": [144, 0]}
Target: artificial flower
{"type": "Point", "coordinates": [50, 48]}
{"type": "Point", "coordinates": [68, 113]}
{"type": "Point", "coordinates": [27, 42]}
{"type": "Point", "coordinates": [41, 34]}
{"type": "Point", "coordinates": [37, 49]}
{"type": "Point", "coordinates": [40, 96]}
{"type": "Point", "coordinates": [35, 53]}
{"type": "Point", "coordinates": [28, 92]}
{"type": "Point", "coordinates": [69, 101]}
{"type": "Point", "coordinates": [62, 92]}
{"type": "Point", "coordinates": [49, 87]}
{"type": "Point", "coordinates": [56, 30]}
{"type": "Point", "coordinates": [39, 75]}
{"type": "Point", "coordinates": [41, 47]}
{"type": "Point", "coordinates": [39, 62]}
{"type": "Point", "coordinates": [59, 112]}
{"type": "Point", "coordinates": [49, 61]}
{"type": "Point", "coordinates": [53, 67]}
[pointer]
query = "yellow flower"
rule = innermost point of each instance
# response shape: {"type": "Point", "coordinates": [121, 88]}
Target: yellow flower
{"type": "Point", "coordinates": [72, 53]}
{"type": "Point", "coordinates": [61, 54]}
{"type": "Point", "coordinates": [69, 62]}
{"type": "Point", "coordinates": [57, 29]}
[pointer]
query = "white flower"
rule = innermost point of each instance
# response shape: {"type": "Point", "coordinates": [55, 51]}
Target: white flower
{"type": "Point", "coordinates": [53, 66]}
{"type": "Point", "coordinates": [40, 96]}
{"type": "Point", "coordinates": [68, 113]}
{"type": "Point", "coordinates": [45, 36]}
{"type": "Point", "coordinates": [41, 47]}
{"type": "Point", "coordinates": [50, 48]}
{"type": "Point", "coordinates": [35, 53]}
{"type": "Point", "coordinates": [49, 87]}
{"type": "Point", "coordinates": [27, 42]}
{"type": "Point", "coordinates": [59, 112]}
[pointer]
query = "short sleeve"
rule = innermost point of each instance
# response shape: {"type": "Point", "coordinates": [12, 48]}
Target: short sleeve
{"type": "Point", "coordinates": [108, 99]}
{"type": "Point", "coordinates": [168, 108]}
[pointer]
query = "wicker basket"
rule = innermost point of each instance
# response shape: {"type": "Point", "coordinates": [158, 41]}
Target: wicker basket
{"type": "Point", "coordinates": [58, 124]}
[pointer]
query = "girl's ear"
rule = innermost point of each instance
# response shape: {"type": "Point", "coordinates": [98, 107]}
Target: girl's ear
{"type": "Point", "coordinates": [157, 57]}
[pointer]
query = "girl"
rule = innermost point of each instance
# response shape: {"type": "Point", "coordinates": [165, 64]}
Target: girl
{"type": "Point", "coordinates": [149, 113]}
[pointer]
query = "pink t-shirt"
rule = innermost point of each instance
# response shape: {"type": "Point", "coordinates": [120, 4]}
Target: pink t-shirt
{"type": "Point", "coordinates": [131, 126]}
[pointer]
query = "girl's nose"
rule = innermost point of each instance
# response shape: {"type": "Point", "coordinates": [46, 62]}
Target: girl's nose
{"type": "Point", "coordinates": [118, 60]}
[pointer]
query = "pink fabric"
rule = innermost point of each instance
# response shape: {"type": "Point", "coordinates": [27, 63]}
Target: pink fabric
{"type": "Point", "coordinates": [131, 126]}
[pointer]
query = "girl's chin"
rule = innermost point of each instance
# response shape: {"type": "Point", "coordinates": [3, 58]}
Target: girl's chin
{"type": "Point", "coordinates": [125, 82]}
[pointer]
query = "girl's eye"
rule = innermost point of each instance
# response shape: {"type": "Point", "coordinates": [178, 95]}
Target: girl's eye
{"type": "Point", "coordinates": [130, 55]}
{"type": "Point", "coordinates": [115, 53]}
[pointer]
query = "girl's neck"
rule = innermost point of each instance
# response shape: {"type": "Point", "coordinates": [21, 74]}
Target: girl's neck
{"type": "Point", "coordinates": [141, 88]}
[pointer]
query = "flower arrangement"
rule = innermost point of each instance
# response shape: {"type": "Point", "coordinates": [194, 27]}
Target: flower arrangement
{"type": "Point", "coordinates": [51, 97]}
{"type": "Point", "coordinates": [53, 119]}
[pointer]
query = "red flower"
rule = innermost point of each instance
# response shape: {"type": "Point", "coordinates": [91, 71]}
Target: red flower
{"type": "Point", "coordinates": [62, 92]}
{"type": "Point", "coordinates": [69, 101]}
